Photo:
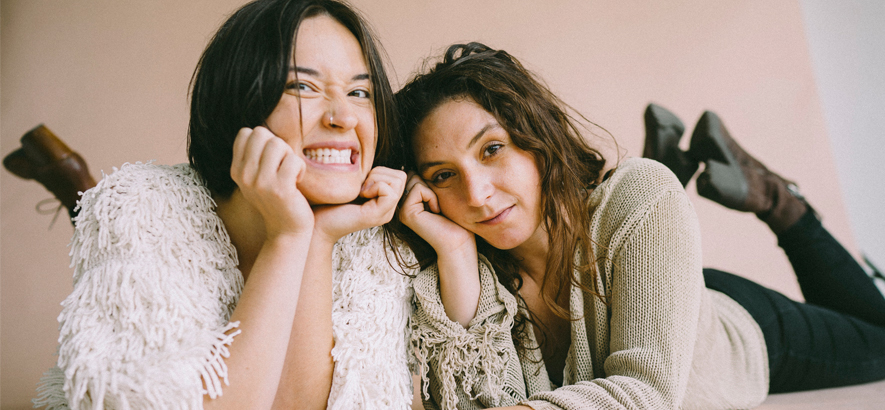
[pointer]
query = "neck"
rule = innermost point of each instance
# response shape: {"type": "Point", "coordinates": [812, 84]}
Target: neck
{"type": "Point", "coordinates": [532, 256]}
{"type": "Point", "coordinates": [244, 225]}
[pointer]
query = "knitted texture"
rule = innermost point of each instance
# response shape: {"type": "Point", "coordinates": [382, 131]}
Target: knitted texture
{"type": "Point", "coordinates": [155, 283]}
{"type": "Point", "coordinates": [371, 307]}
{"type": "Point", "coordinates": [485, 345]}
{"type": "Point", "coordinates": [662, 342]}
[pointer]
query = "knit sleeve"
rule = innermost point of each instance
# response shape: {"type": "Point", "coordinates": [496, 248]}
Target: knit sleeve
{"type": "Point", "coordinates": [470, 368]}
{"type": "Point", "coordinates": [371, 306]}
{"type": "Point", "coordinates": [656, 288]}
{"type": "Point", "coordinates": [155, 280]}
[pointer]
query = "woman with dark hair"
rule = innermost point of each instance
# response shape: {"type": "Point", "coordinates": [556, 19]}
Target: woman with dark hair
{"type": "Point", "coordinates": [553, 279]}
{"type": "Point", "coordinates": [259, 270]}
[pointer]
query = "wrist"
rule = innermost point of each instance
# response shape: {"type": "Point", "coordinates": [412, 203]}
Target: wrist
{"type": "Point", "coordinates": [288, 238]}
{"type": "Point", "coordinates": [463, 249]}
{"type": "Point", "coordinates": [323, 238]}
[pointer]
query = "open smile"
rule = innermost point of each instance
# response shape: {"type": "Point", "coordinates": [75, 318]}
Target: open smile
{"type": "Point", "coordinates": [334, 154]}
{"type": "Point", "coordinates": [331, 155]}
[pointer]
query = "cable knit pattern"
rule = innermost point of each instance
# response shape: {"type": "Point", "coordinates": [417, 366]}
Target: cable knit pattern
{"type": "Point", "coordinates": [662, 342]}
{"type": "Point", "coordinates": [155, 283]}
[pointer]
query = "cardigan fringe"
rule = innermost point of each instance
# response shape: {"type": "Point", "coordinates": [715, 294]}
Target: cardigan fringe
{"type": "Point", "coordinates": [155, 283]}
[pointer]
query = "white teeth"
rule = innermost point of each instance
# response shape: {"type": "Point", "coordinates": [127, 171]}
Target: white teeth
{"type": "Point", "coordinates": [328, 155]}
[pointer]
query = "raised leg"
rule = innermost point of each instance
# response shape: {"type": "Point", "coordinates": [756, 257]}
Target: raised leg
{"type": "Point", "coordinates": [828, 275]}
{"type": "Point", "coordinates": [45, 158]}
{"type": "Point", "coordinates": [734, 179]}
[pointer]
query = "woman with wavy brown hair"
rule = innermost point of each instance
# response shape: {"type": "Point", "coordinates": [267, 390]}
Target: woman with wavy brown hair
{"type": "Point", "coordinates": [554, 279]}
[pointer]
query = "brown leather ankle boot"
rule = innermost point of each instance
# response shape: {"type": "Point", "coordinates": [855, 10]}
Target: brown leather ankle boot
{"type": "Point", "coordinates": [45, 158]}
{"type": "Point", "coordinates": [734, 179]}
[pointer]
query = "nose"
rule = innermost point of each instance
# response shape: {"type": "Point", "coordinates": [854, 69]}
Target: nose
{"type": "Point", "coordinates": [340, 114]}
{"type": "Point", "coordinates": [479, 187]}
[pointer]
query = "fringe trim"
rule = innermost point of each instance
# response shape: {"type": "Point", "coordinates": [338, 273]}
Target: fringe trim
{"type": "Point", "coordinates": [50, 391]}
{"type": "Point", "coordinates": [371, 307]}
{"type": "Point", "coordinates": [155, 282]}
{"type": "Point", "coordinates": [215, 369]}
{"type": "Point", "coordinates": [473, 360]}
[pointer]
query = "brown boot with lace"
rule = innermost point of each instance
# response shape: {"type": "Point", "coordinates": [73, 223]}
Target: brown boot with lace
{"type": "Point", "coordinates": [45, 158]}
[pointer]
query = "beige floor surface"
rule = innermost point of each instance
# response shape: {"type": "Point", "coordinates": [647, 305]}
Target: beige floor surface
{"type": "Point", "coordinates": [864, 397]}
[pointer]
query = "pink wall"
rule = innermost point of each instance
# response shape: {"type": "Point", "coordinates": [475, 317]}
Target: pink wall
{"type": "Point", "coordinates": [111, 79]}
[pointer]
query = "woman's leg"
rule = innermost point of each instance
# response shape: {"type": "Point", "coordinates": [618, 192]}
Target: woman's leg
{"type": "Point", "coordinates": [809, 347]}
{"type": "Point", "coordinates": [838, 337]}
{"type": "Point", "coordinates": [826, 272]}
{"type": "Point", "coordinates": [45, 158]}
{"type": "Point", "coordinates": [828, 275]}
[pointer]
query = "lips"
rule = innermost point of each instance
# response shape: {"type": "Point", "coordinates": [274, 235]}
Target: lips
{"type": "Point", "coordinates": [498, 217]}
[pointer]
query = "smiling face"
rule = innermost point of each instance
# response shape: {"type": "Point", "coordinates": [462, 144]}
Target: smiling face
{"type": "Point", "coordinates": [333, 127]}
{"type": "Point", "coordinates": [484, 182]}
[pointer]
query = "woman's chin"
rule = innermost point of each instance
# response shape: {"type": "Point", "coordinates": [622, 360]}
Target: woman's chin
{"type": "Point", "coordinates": [332, 196]}
{"type": "Point", "coordinates": [504, 244]}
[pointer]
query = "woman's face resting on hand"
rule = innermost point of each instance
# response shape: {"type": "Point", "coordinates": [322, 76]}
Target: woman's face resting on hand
{"type": "Point", "coordinates": [482, 180]}
{"type": "Point", "coordinates": [326, 114]}
{"type": "Point", "coordinates": [327, 98]}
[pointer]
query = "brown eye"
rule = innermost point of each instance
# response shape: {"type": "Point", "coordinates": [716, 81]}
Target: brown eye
{"type": "Point", "coordinates": [360, 93]}
{"type": "Point", "coordinates": [441, 177]}
{"type": "Point", "coordinates": [492, 150]}
{"type": "Point", "coordinates": [298, 87]}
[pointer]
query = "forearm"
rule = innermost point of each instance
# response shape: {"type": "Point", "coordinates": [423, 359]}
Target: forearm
{"type": "Point", "coordinates": [307, 373]}
{"type": "Point", "coordinates": [453, 352]}
{"type": "Point", "coordinates": [265, 310]}
{"type": "Point", "coordinates": [459, 284]}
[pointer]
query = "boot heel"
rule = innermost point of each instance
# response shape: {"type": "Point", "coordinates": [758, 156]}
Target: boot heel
{"type": "Point", "coordinates": [708, 142]}
{"type": "Point", "coordinates": [724, 184]}
{"type": "Point", "coordinates": [663, 130]}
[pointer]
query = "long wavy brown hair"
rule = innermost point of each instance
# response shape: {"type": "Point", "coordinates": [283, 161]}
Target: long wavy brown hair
{"type": "Point", "coordinates": [538, 122]}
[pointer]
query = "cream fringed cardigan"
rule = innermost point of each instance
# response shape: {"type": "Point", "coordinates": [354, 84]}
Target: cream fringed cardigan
{"type": "Point", "coordinates": [663, 342]}
{"type": "Point", "coordinates": [156, 280]}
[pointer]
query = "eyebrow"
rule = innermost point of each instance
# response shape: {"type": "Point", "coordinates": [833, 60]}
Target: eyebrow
{"type": "Point", "coordinates": [315, 73]}
{"type": "Point", "coordinates": [472, 142]}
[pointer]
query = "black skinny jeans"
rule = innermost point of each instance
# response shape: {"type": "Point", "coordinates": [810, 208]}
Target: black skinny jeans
{"type": "Point", "coordinates": [837, 337]}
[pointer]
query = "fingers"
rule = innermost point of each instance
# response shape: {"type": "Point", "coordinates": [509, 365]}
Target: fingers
{"type": "Point", "coordinates": [292, 167]}
{"type": "Point", "coordinates": [420, 211]}
{"type": "Point", "coordinates": [261, 159]}
{"type": "Point", "coordinates": [417, 191]}
{"type": "Point", "coordinates": [266, 171]}
{"type": "Point", "coordinates": [384, 187]}
{"type": "Point", "coordinates": [391, 181]}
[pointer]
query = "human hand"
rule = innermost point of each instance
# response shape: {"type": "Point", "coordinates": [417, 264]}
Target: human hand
{"type": "Point", "coordinates": [456, 254]}
{"type": "Point", "coordinates": [420, 212]}
{"type": "Point", "coordinates": [375, 206]}
{"type": "Point", "coordinates": [267, 171]}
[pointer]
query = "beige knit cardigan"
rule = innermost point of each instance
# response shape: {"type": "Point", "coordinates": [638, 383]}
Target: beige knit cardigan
{"type": "Point", "coordinates": [664, 342]}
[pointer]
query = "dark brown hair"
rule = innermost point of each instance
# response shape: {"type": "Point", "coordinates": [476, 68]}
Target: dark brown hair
{"type": "Point", "coordinates": [538, 122]}
{"type": "Point", "coordinates": [242, 75]}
